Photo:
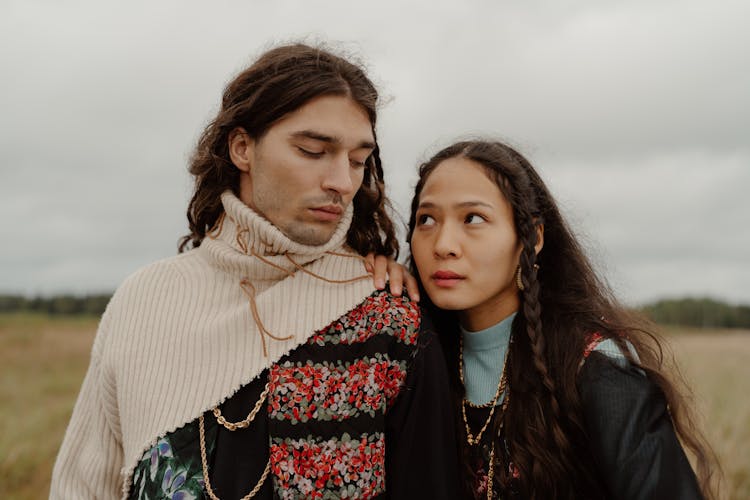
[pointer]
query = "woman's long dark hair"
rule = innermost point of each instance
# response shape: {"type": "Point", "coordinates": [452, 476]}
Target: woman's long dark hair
{"type": "Point", "coordinates": [281, 81]}
{"type": "Point", "coordinates": [562, 303]}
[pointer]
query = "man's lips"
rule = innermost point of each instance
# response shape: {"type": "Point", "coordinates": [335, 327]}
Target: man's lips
{"type": "Point", "coordinates": [327, 212]}
{"type": "Point", "coordinates": [446, 279]}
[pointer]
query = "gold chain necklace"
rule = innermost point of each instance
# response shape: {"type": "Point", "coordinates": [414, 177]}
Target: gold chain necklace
{"type": "Point", "coordinates": [501, 386]}
{"type": "Point", "coordinates": [472, 440]}
{"type": "Point", "coordinates": [491, 472]}
{"type": "Point", "coordinates": [242, 424]}
{"type": "Point", "coordinates": [204, 463]}
{"type": "Point", "coordinates": [232, 426]}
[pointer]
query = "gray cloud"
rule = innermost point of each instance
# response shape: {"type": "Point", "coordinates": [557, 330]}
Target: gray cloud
{"type": "Point", "coordinates": [635, 112]}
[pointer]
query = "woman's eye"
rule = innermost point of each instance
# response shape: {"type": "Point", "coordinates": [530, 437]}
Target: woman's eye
{"type": "Point", "coordinates": [357, 164]}
{"type": "Point", "coordinates": [474, 219]}
{"type": "Point", "coordinates": [425, 220]}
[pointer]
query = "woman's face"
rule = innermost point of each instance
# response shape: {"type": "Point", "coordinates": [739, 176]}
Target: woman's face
{"type": "Point", "coordinates": [465, 245]}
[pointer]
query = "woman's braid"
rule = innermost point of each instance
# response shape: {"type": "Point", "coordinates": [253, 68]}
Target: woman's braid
{"type": "Point", "coordinates": [532, 311]}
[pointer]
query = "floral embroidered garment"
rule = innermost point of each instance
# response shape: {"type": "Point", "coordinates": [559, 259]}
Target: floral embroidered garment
{"type": "Point", "coordinates": [172, 468]}
{"type": "Point", "coordinates": [359, 410]}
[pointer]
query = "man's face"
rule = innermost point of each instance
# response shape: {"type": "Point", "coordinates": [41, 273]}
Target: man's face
{"type": "Point", "coordinates": [304, 172]}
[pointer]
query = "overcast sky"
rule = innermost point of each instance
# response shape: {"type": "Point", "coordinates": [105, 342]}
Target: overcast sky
{"type": "Point", "coordinates": [636, 113]}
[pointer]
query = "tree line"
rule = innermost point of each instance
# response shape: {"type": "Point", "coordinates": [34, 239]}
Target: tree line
{"type": "Point", "coordinates": [698, 312]}
{"type": "Point", "coordinates": [695, 312]}
{"type": "Point", "coordinates": [56, 305]}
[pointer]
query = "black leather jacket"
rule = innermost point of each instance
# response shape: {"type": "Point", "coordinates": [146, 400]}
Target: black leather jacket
{"type": "Point", "coordinates": [631, 434]}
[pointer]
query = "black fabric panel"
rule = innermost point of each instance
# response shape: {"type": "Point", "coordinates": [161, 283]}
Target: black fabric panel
{"type": "Point", "coordinates": [349, 353]}
{"type": "Point", "coordinates": [421, 447]}
{"type": "Point", "coordinates": [631, 434]}
{"type": "Point", "coordinates": [240, 456]}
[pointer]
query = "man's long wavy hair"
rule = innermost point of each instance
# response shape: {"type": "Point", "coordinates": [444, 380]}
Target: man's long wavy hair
{"type": "Point", "coordinates": [281, 81]}
{"type": "Point", "coordinates": [562, 304]}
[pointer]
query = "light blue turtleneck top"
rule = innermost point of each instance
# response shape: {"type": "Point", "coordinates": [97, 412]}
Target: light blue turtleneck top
{"type": "Point", "coordinates": [484, 352]}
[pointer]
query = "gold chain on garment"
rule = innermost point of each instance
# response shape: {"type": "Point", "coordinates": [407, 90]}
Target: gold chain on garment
{"type": "Point", "coordinates": [232, 426]}
{"type": "Point", "coordinates": [242, 424]}
{"type": "Point", "coordinates": [204, 462]}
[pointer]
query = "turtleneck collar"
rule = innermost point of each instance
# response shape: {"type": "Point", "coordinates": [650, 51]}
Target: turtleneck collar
{"type": "Point", "coordinates": [483, 355]}
{"type": "Point", "coordinates": [244, 242]}
{"type": "Point", "coordinates": [492, 338]}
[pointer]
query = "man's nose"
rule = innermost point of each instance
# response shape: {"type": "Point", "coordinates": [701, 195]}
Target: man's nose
{"type": "Point", "coordinates": [338, 177]}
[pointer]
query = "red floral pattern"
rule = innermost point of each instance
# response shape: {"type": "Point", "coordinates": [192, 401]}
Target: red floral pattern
{"type": "Point", "coordinates": [593, 340]}
{"type": "Point", "coordinates": [334, 391]}
{"type": "Point", "coordinates": [381, 313]}
{"type": "Point", "coordinates": [349, 467]}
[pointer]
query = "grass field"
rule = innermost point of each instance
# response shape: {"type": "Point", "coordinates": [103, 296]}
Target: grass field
{"type": "Point", "coordinates": [717, 366]}
{"type": "Point", "coordinates": [43, 362]}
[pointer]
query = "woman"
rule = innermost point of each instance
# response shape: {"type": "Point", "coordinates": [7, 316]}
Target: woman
{"type": "Point", "coordinates": [561, 391]}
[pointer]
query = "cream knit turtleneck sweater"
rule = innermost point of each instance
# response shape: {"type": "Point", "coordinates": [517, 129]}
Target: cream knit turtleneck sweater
{"type": "Point", "coordinates": [180, 336]}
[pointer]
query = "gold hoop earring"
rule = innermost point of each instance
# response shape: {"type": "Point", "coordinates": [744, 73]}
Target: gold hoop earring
{"type": "Point", "coordinates": [519, 283]}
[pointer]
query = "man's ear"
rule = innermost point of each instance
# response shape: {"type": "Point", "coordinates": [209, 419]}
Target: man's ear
{"type": "Point", "coordinates": [539, 238]}
{"type": "Point", "coordinates": [241, 149]}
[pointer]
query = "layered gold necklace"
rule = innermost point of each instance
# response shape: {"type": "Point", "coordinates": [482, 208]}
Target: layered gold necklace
{"type": "Point", "coordinates": [492, 404]}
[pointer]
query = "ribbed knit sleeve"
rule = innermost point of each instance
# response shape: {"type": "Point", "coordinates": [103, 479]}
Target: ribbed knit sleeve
{"type": "Point", "coordinates": [90, 459]}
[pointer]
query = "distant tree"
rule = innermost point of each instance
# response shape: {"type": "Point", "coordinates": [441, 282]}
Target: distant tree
{"type": "Point", "coordinates": [95, 304]}
{"type": "Point", "coordinates": [698, 312]}
{"type": "Point", "coordinates": [57, 305]}
{"type": "Point", "coordinates": [65, 305]}
{"type": "Point", "coordinates": [743, 315]}
{"type": "Point", "coordinates": [10, 303]}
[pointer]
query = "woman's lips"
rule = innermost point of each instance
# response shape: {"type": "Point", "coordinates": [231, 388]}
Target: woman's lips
{"type": "Point", "coordinates": [446, 279]}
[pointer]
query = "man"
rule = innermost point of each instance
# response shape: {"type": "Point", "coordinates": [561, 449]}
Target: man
{"type": "Point", "coordinates": [262, 362]}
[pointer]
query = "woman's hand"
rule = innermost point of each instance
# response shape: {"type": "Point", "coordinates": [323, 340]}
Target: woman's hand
{"type": "Point", "coordinates": [381, 267]}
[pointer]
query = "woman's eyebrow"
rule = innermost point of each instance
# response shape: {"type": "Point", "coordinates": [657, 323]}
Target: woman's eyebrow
{"type": "Point", "coordinates": [462, 204]}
